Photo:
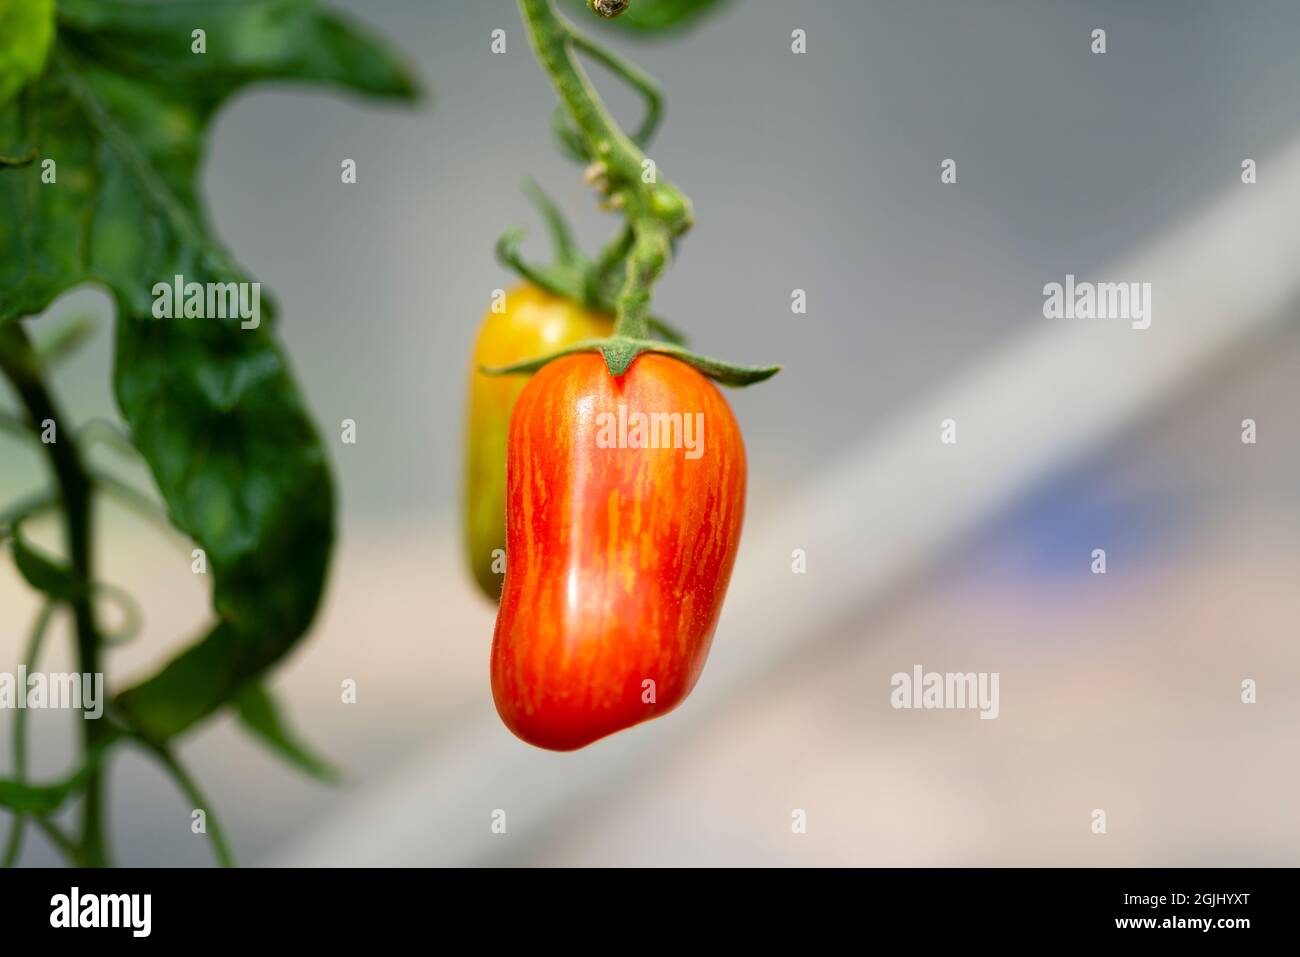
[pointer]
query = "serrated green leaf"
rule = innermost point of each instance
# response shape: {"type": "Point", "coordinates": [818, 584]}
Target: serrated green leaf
{"type": "Point", "coordinates": [123, 109]}
{"type": "Point", "coordinates": [260, 716]}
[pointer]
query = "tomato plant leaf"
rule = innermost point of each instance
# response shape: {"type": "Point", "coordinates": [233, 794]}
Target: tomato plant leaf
{"type": "Point", "coordinates": [261, 717]}
{"type": "Point", "coordinates": [119, 120]}
{"type": "Point", "coordinates": [122, 111]}
{"type": "Point", "coordinates": [218, 418]}
{"type": "Point", "coordinates": [42, 572]}
{"type": "Point", "coordinates": [37, 798]}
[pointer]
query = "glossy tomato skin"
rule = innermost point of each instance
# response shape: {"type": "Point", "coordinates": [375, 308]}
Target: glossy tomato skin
{"type": "Point", "coordinates": [618, 558]}
{"type": "Point", "coordinates": [534, 323]}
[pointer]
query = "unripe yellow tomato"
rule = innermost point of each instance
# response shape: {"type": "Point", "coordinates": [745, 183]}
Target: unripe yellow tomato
{"type": "Point", "coordinates": [533, 323]}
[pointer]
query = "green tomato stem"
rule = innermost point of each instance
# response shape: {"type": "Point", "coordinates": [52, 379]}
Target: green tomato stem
{"type": "Point", "coordinates": [20, 365]}
{"type": "Point", "coordinates": [190, 787]}
{"type": "Point", "coordinates": [636, 78]}
{"type": "Point", "coordinates": [656, 211]}
{"type": "Point", "coordinates": [15, 845]}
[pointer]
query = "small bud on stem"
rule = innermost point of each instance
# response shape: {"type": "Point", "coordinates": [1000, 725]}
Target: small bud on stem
{"type": "Point", "coordinates": [608, 8]}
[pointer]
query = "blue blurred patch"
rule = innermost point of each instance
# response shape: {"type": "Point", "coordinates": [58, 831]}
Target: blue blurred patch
{"type": "Point", "coordinates": [1052, 531]}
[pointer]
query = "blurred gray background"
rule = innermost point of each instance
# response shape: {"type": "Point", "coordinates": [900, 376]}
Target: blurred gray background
{"type": "Point", "coordinates": [818, 171]}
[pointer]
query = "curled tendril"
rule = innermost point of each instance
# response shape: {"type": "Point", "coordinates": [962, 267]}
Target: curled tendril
{"type": "Point", "coordinates": [132, 616]}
